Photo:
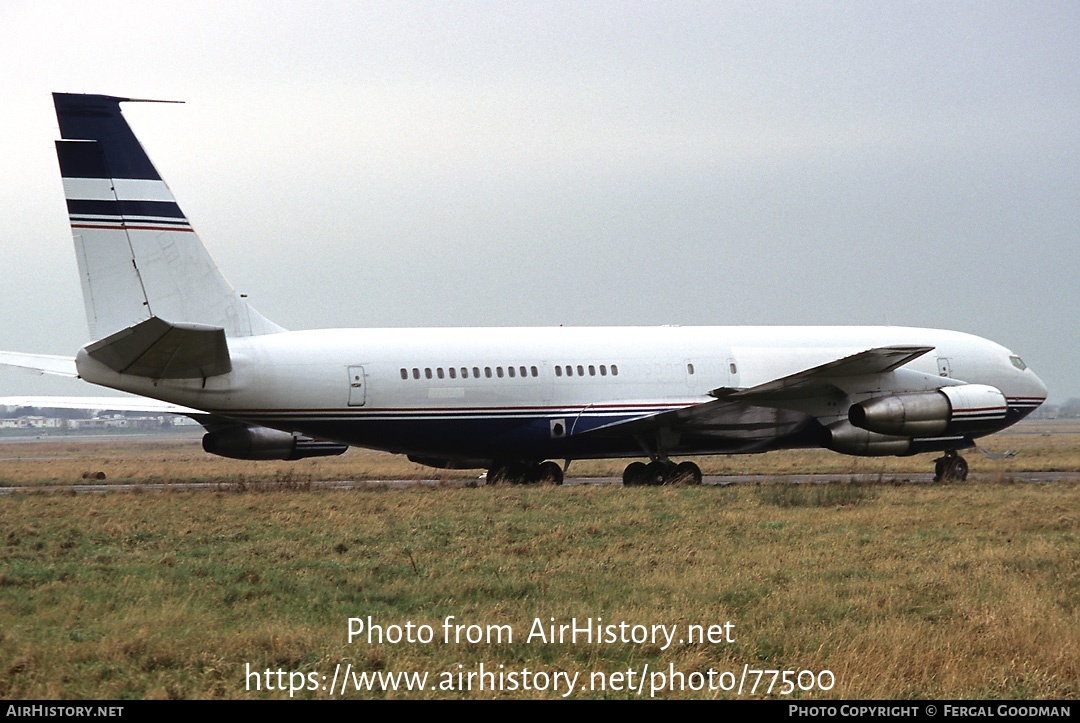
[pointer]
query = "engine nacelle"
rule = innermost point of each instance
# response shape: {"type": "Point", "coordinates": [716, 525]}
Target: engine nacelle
{"type": "Point", "coordinates": [262, 443]}
{"type": "Point", "coordinates": [960, 409]}
{"type": "Point", "coordinates": [846, 438]}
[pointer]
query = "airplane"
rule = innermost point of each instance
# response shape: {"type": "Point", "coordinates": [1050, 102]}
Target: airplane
{"type": "Point", "coordinates": [168, 326]}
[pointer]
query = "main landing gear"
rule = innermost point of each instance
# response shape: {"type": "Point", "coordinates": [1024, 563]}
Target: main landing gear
{"type": "Point", "coordinates": [950, 468]}
{"type": "Point", "coordinates": [661, 473]}
{"type": "Point", "coordinates": [524, 473]}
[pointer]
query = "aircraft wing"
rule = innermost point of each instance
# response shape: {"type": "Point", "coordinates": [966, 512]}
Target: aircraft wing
{"type": "Point", "coordinates": [227, 437]}
{"type": "Point", "coordinates": [91, 404]}
{"type": "Point", "coordinates": [818, 381]}
{"type": "Point", "coordinates": [780, 396]}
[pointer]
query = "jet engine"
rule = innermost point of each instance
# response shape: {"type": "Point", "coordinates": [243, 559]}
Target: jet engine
{"type": "Point", "coordinates": [950, 410]}
{"type": "Point", "coordinates": [846, 438]}
{"type": "Point", "coordinates": [262, 443]}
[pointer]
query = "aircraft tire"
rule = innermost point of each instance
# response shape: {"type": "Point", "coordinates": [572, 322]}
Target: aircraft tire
{"type": "Point", "coordinates": [636, 473]}
{"type": "Point", "coordinates": [950, 468]}
{"type": "Point", "coordinates": [659, 473]}
{"type": "Point", "coordinates": [548, 472]}
{"type": "Point", "coordinates": [686, 473]}
{"type": "Point", "coordinates": [497, 474]}
{"type": "Point", "coordinates": [508, 473]}
{"type": "Point", "coordinates": [957, 469]}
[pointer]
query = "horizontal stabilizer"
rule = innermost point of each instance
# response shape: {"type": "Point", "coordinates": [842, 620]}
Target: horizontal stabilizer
{"type": "Point", "coordinates": [63, 366]}
{"type": "Point", "coordinates": [158, 349]}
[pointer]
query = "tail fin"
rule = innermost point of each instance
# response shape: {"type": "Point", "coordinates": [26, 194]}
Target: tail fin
{"type": "Point", "coordinates": [138, 256]}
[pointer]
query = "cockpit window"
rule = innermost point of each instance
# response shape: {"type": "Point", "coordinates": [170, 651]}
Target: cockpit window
{"type": "Point", "coordinates": [1018, 363]}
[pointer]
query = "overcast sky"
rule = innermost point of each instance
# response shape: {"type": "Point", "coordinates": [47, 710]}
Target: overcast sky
{"type": "Point", "coordinates": [578, 163]}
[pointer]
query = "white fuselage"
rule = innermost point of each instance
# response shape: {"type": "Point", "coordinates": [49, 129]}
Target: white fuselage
{"type": "Point", "coordinates": [451, 391]}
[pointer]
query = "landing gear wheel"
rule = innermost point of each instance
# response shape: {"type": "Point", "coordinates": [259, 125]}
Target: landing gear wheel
{"type": "Point", "coordinates": [513, 473]}
{"type": "Point", "coordinates": [686, 473]}
{"type": "Point", "coordinates": [658, 473]}
{"type": "Point", "coordinates": [636, 473]}
{"type": "Point", "coordinates": [497, 474]}
{"type": "Point", "coordinates": [521, 474]}
{"type": "Point", "coordinates": [548, 472]}
{"type": "Point", "coordinates": [950, 468]}
{"type": "Point", "coordinates": [958, 470]}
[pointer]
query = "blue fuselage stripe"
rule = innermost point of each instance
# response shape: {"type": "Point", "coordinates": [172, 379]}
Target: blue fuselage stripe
{"type": "Point", "coordinates": [508, 432]}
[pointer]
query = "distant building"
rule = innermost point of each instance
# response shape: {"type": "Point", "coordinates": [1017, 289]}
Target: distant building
{"type": "Point", "coordinates": [102, 421]}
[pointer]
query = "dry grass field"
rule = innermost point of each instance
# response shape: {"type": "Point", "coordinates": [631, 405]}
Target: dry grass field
{"type": "Point", "coordinates": [966, 590]}
{"type": "Point", "coordinates": [124, 458]}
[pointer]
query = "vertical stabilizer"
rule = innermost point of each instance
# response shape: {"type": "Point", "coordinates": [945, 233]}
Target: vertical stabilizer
{"type": "Point", "coordinates": [138, 255]}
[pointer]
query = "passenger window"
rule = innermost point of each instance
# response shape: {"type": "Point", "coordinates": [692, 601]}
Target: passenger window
{"type": "Point", "coordinates": [427, 372]}
{"type": "Point", "coordinates": [734, 369]}
{"type": "Point", "coordinates": [415, 373]}
{"type": "Point", "coordinates": [511, 371]}
{"type": "Point", "coordinates": [522, 371]}
{"type": "Point", "coordinates": [499, 372]}
{"type": "Point", "coordinates": [476, 372]}
{"type": "Point", "coordinates": [580, 370]}
{"type": "Point", "coordinates": [592, 371]}
{"type": "Point", "coordinates": [558, 370]}
{"type": "Point", "coordinates": [603, 370]}
{"type": "Point", "coordinates": [487, 372]}
{"type": "Point", "coordinates": [439, 371]}
{"type": "Point", "coordinates": [453, 372]}
{"type": "Point", "coordinates": [614, 370]}
{"type": "Point", "coordinates": [569, 370]}
{"type": "Point", "coordinates": [535, 373]}
{"type": "Point", "coordinates": [404, 373]}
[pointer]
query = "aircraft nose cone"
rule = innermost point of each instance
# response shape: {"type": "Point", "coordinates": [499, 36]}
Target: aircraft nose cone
{"type": "Point", "coordinates": [1040, 387]}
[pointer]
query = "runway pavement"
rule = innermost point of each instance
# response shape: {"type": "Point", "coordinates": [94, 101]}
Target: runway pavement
{"type": "Point", "coordinates": [709, 481]}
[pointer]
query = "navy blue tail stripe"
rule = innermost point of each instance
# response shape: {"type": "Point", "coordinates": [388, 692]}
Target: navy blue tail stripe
{"type": "Point", "coordinates": [159, 209]}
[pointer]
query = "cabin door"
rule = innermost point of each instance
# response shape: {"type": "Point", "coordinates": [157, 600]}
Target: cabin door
{"type": "Point", "coordinates": [357, 386]}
